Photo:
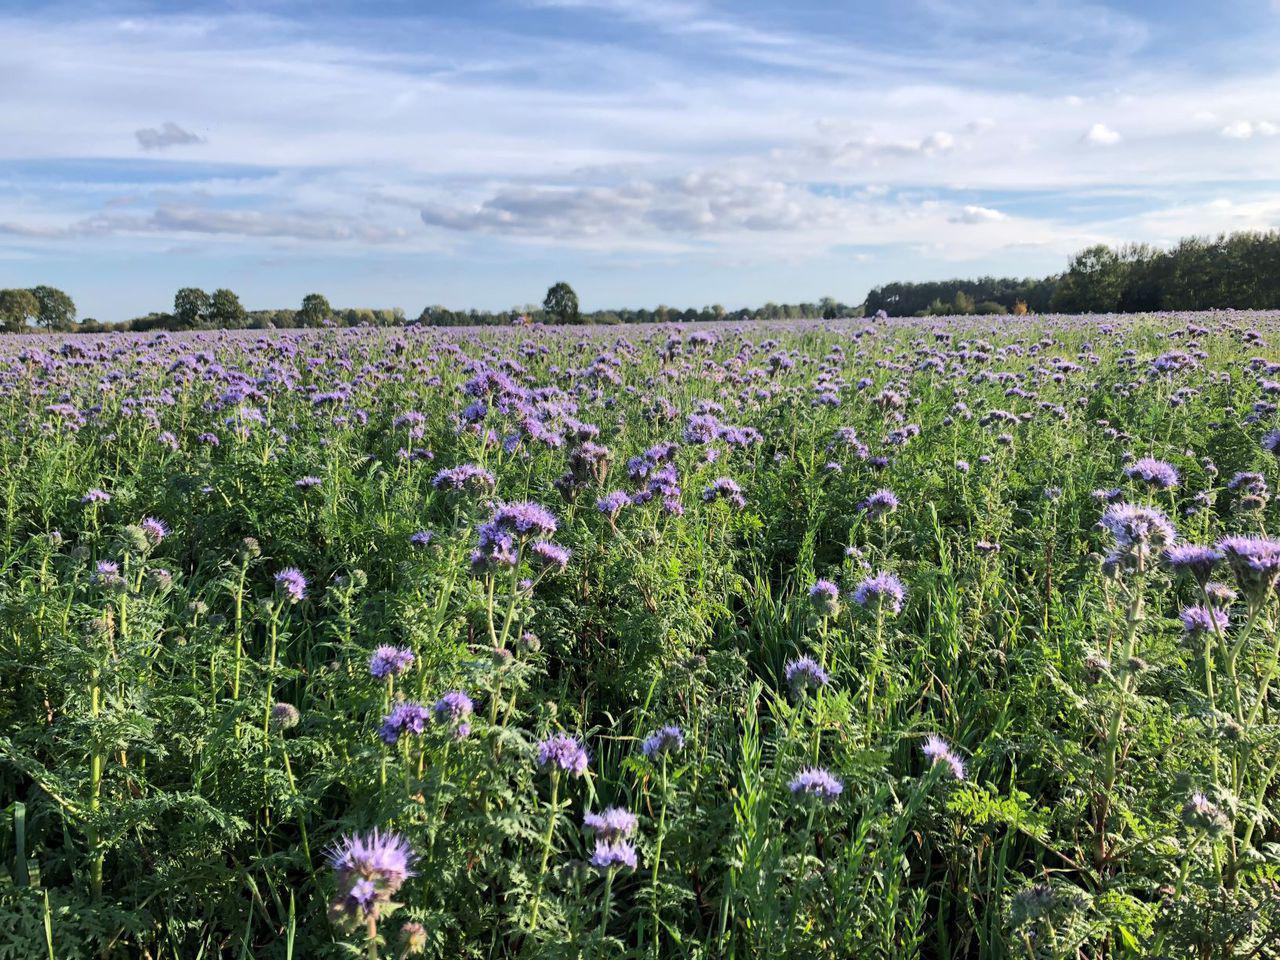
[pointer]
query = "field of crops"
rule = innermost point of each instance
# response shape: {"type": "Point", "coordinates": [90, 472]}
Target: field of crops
{"type": "Point", "coordinates": [952, 637]}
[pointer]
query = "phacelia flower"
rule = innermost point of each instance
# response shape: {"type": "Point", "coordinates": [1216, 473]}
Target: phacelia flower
{"type": "Point", "coordinates": [1154, 473]}
{"type": "Point", "coordinates": [370, 868]}
{"type": "Point", "coordinates": [668, 739]}
{"type": "Point", "coordinates": [452, 707]}
{"type": "Point", "coordinates": [883, 590]}
{"type": "Point", "coordinates": [291, 584]}
{"type": "Point", "coordinates": [1199, 620]}
{"type": "Point", "coordinates": [1255, 562]}
{"type": "Point", "coordinates": [284, 716]}
{"type": "Point", "coordinates": [879, 504]}
{"type": "Point", "coordinates": [818, 783]}
{"type": "Point", "coordinates": [387, 661]}
{"type": "Point", "coordinates": [405, 717]}
{"type": "Point", "coordinates": [1193, 560]}
{"type": "Point", "coordinates": [154, 530]}
{"type": "Point", "coordinates": [938, 750]}
{"type": "Point", "coordinates": [611, 824]}
{"type": "Point", "coordinates": [803, 673]}
{"type": "Point", "coordinates": [563, 752]}
{"type": "Point", "coordinates": [825, 598]}
{"type": "Point", "coordinates": [612, 855]}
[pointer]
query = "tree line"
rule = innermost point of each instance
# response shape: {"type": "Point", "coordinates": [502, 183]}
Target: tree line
{"type": "Point", "coordinates": [1240, 270]}
{"type": "Point", "coordinates": [1237, 270]}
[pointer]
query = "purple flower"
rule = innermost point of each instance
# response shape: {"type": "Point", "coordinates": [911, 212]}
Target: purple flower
{"type": "Point", "coordinates": [1154, 473]}
{"type": "Point", "coordinates": [882, 590]}
{"type": "Point", "coordinates": [608, 856]}
{"type": "Point", "coordinates": [371, 867]}
{"type": "Point", "coordinates": [405, 717]}
{"type": "Point", "coordinates": [154, 529]}
{"type": "Point", "coordinates": [1271, 443]}
{"type": "Point", "coordinates": [879, 504]}
{"type": "Point", "coordinates": [563, 752]}
{"type": "Point", "coordinates": [1137, 530]}
{"type": "Point", "coordinates": [1199, 620]}
{"type": "Point", "coordinates": [1193, 560]}
{"type": "Point", "coordinates": [453, 707]}
{"type": "Point", "coordinates": [550, 556]}
{"type": "Point", "coordinates": [524, 519]}
{"type": "Point", "coordinates": [938, 750]}
{"type": "Point", "coordinates": [306, 483]}
{"type": "Point", "coordinates": [803, 673]}
{"type": "Point", "coordinates": [723, 488]}
{"type": "Point", "coordinates": [465, 476]}
{"type": "Point", "coordinates": [96, 496]}
{"type": "Point", "coordinates": [613, 503]}
{"type": "Point", "coordinates": [291, 584]}
{"type": "Point", "coordinates": [1255, 562]}
{"type": "Point", "coordinates": [669, 739]}
{"type": "Point", "coordinates": [420, 538]}
{"type": "Point", "coordinates": [387, 660]}
{"type": "Point", "coordinates": [818, 783]}
{"type": "Point", "coordinates": [825, 597]}
{"type": "Point", "coordinates": [611, 824]}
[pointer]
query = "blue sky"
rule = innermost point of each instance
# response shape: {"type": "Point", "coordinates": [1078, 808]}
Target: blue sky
{"type": "Point", "coordinates": [684, 152]}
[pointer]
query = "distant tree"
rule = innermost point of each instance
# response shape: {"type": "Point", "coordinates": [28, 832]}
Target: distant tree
{"type": "Point", "coordinates": [57, 311]}
{"type": "Point", "coordinates": [964, 303]}
{"type": "Point", "coordinates": [990, 307]}
{"type": "Point", "coordinates": [17, 309]}
{"type": "Point", "coordinates": [561, 304]}
{"type": "Point", "coordinates": [1093, 283]}
{"type": "Point", "coordinates": [225, 310]}
{"type": "Point", "coordinates": [315, 310]}
{"type": "Point", "coordinates": [191, 308]}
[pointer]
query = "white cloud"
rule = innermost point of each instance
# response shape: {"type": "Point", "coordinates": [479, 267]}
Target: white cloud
{"type": "Point", "coordinates": [1101, 135]}
{"type": "Point", "coordinates": [1247, 129]}
{"type": "Point", "coordinates": [976, 214]}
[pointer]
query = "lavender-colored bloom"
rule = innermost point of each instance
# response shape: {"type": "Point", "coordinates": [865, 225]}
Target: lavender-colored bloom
{"type": "Point", "coordinates": [1137, 529]}
{"type": "Point", "coordinates": [882, 589]}
{"type": "Point", "coordinates": [563, 752]}
{"type": "Point", "coordinates": [1193, 560]}
{"type": "Point", "coordinates": [306, 483]}
{"type": "Point", "coordinates": [405, 717]}
{"type": "Point", "coordinates": [370, 867]}
{"type": "Point", "coordinates": [291, 584]}
{"type": "Point", "coordinates": [420, 538]}
{"type": "Point", "coordinates": [611, 824]}
{"type": "Point", "coordinates": [817, 783]}
{"type": "Point", "coordinates": [803, 673]}
{"type": "Point", "coordinates": [938, 750]}
{"type": "Point", "coordinates": [1219, 594]}
{"type": "Point", "coordinates": [154, 529]}
{"type": "Point", "coordinates": [825, 597]}
{"type": "Point", "coordinates": [1271, 443]}
{"type": "Point", "coordinates": [452, 707]}
{"type": "Point", "coordinates": [609, 856]}
{"type": "Point", "coordinates": [285, 716]}
{"type": "Point", "coordinates": [1154, 473]}
{"type": "Point", "coordinates": [550, 556]}
{"type": "Point", "coordinates": [1255, 562]}
{"type": "Point", "coordinates": [668, 739]}
{"type": "Point", "coordinates": [524, 519]}
{"type": "Point", "coordinates": [724, 488]}
{"type": "Point", "coordinates": [464, 476]}
{"type": "Point", "coordinates": [96, 496]}
{"type": "Point", "coordinates": [1198, 620]}
{"type": "Point", "coordinates": [388, 660]}
{"type": "Point", "coordinates": [879, 504]}
{"type": "Point", "coordinates": [613, 503]}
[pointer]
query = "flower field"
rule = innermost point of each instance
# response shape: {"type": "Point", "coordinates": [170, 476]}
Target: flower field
{"type": "Point", "coordinates": [948, 637]}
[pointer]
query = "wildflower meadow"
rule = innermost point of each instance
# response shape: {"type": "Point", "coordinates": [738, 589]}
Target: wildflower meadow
{"type": "Point", "coordinates": [939, 637]}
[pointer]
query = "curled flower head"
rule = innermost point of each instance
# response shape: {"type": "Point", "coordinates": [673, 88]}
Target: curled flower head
{"type": "Point", "coordinates": [563, 752]}
{"type": "Point", "coordinates": [725, 488]}
{"type": "Point", "coordinates": [937, 750]}
{"type": "Point", "coordinates": [550, 556]}
{"type": "Point", "coordinates": [883, 591]}
{"type": "Point", "coordinates": [803, 673]}
{"type": "Point", "coordinates": [611, 824]}
{"type": "Point", "coordinates": [154, 530]}
{"type": "Point", "coordinates": [96, 496]}
{"type": "Point", "coordinates": [1156, 474]}
{"type": "Point", "coordinates": [1192, 560]}
{"type": "Point", "coordinates": [879, 504]}
{"type": "Point", "coordinates": [370, 869]}
{"type": "Point", "coordinates": [466, 476]}
{"type": "Point", "coordinates": [1201, 813]}
{"type": "Point", "coordinates": [613, 503]}
{"type": "Point", "coordinates": [405, 718]}
{"type": "Point", "coordinates": [825, 598]}
{"type": "Point", "coordinates": [389, 661]}
{"type": "Point", "coordinates": [291, 584]}
{"type": "Point", "coordinates": [284, 716]}
{"type": "Point", "coordinates": [420, 538]}
{"type": "Point", "coordinates": [611, 855]}
{"type": "Point", "coordinates": [1198, 620]}
{"type": "Point", "coordinates": [818, 783]}
{"type": "Point", "coordinates": [1255, 562]}
{"type": "Point", "coordinates": [453, 707]}
{"type": "Point", "coordinates": [1138, 531]}
{"type": "Point", "coordinates": [664, 740]}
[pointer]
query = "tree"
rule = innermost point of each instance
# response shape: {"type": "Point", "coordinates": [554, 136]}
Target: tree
{"type": "Point", "coordinates": [56, 310]}
{"type": "Point", "coordinates": [17, 309]}
{"type": "Point", "coordinates": [963, 302]}
{"type": "Point", "coordinates": [1093, 282]}
{"type": "Point", "coordinates": [315, 310]}
{"type": "Point", "coordinates": [561, 303]}
{"type": "Point", "coordinates": [225, 310]}
{"type": "Point", "coordinates": [190, 308]}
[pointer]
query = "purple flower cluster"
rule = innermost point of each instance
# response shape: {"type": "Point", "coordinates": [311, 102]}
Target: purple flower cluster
{"type": "Point", "coordinates": [563, 752]}
{"type": "Point", "coordinates": [882, 591]}
{"type": "Point", "coordinates": [390, 661]}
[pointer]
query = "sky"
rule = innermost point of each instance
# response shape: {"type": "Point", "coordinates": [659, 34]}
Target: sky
{"type": "Point", "coordinates": [686, 152]}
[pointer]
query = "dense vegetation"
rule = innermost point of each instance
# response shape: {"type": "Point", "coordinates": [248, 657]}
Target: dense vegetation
{"type": "Point", "coordinates": [808, 640]}
{"type": "Point", "coordinates": [1239, 270]}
